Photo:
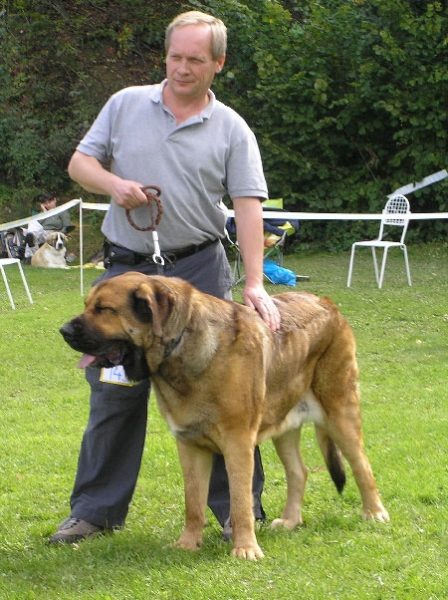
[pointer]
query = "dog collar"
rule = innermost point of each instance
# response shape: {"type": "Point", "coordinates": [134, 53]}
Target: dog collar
{"type": "Point", "coordinates": [172, 345]}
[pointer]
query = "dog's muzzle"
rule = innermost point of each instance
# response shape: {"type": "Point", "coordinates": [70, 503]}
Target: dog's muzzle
{"type": "Point", "coordinates": [99, 353]}
{"type": "Point", "coordinates": [70, 333]}
{"type": "Point", "coordinates": [59, 242]}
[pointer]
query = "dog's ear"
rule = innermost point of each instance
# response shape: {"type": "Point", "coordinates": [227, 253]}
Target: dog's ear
{"type": "Point", "coordinates": [152, 303]}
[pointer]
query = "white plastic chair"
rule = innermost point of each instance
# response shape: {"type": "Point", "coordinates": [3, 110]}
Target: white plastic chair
{"type": "Point", "coordinates": [397, 204]}
{"type": "Point", "coordinates": [13, 261]}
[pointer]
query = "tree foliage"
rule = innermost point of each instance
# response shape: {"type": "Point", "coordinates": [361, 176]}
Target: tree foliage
{"type": "Point", "coordinates": [349, 102]}
{"type": "Point", "coordinates": [60, 62]}
{"type": "Point", "coordinates": [348, 98]}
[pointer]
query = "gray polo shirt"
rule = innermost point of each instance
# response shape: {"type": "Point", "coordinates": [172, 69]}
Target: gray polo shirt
{"type": "Point", "coordinates": [195, 164]}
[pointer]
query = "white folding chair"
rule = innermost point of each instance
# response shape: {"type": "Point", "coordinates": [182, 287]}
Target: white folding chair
{"type": "Point", "coordinates": [397, 204]}
{"type": "Point", "coordinates": [4, 262]}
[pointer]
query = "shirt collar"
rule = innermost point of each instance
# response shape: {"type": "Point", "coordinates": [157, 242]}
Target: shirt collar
{"type": "Point", "coordinates": [156, 95]}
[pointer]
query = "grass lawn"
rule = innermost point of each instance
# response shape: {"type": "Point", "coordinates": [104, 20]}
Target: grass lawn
{"type": "Point", "coordinates": [401, 334]}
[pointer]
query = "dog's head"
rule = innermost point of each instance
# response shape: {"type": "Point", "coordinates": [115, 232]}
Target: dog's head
{"type": "Point", "coordinates": [56, 239]}
{"type": "Point", "coordinates": [130, 320]}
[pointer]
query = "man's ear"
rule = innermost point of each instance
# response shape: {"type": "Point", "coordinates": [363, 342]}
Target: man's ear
{"type": "Point", "coordinates": [220, 64]}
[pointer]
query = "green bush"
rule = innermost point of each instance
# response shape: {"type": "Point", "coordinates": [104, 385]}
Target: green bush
{"type": "Point", "coordinates": [348, 101]}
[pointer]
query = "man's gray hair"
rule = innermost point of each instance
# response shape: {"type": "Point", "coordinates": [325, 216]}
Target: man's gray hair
{"type": "Point", "coordinates": [195, 17]}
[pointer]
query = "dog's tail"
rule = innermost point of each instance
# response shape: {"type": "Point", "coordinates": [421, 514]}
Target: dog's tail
{"type": "Point", "coordinates": [333, 458]}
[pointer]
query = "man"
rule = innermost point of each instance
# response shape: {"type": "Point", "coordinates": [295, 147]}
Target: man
{"type": "Point", "coordinates": [37, 231]}
{"type": "Point", "coordinates": [60, 222]}
{"type": "Point", "coordinates": [177, 136]}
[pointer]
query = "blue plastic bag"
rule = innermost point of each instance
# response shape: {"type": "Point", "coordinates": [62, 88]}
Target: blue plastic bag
{"type": "Point", "coordinates": [278, 274]}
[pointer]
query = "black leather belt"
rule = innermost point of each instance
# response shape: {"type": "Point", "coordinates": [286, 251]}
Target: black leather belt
{"type": "Point", "coordinates": [119, 254]}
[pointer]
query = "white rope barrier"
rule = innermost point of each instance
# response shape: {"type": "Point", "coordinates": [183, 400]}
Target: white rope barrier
{"type": "Point", "coordinates": [271, 214]}
{"type": "Point", "coordinates": [322, 216]}
{"type": "Point", "coordinates": [40, 216]}
{"type": "Point", "coordinates": [429, 180]}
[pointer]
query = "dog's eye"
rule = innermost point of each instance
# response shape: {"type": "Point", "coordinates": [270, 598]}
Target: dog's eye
{"type": "Point", "coordinates": [101, 309]}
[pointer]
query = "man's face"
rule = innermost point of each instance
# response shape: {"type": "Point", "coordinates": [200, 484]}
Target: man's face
{"type": "Point", "coordinates": [49, 204]}
{"type": "Point", "coordinates": [190, 67]}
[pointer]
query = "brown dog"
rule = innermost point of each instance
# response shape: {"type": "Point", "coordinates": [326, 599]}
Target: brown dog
{"type": "Point", "coordinates": [225, 382]}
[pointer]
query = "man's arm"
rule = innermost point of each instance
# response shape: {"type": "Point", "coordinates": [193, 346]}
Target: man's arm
{"type": "Point", "coordinates": [249, 224]}
{"type": "Point", "coordinates": [93, 177]}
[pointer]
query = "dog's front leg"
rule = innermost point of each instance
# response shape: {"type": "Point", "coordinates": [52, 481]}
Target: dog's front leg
{"type": "Point", "coordinates": [196, 465]}
{"type": "Point", "coordinates": [240, 468]}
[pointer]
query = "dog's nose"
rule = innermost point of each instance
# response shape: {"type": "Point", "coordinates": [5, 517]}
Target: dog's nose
{"type": "Point", "coordinates": [67, 331]}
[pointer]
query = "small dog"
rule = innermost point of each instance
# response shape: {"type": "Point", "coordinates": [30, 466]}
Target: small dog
{"type": "Point", "coordinates": [225, 382]}
{"type": "Point", "coordinates": [52, 253]}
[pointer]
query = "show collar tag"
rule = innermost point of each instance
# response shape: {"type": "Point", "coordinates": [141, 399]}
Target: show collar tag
{"type": "Point", "coordinates": [115, 375]}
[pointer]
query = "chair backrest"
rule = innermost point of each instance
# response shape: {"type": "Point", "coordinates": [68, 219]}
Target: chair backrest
{"type": "Point", "coordinates": [397, 204]}
{"type": "Point", "coordinates": [273, 203]}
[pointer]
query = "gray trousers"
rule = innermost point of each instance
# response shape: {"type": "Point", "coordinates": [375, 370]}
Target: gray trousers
{"type": "Point", "coordinates": [112, 445]}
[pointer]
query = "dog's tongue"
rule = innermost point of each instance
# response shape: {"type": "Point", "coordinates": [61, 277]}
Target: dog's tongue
{"type": "Point", "coordinates": [86, 360]}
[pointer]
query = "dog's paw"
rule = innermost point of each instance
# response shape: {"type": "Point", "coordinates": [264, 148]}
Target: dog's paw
{"type": "Point", "coordinates": [248, 553]}
{"type": "Point", "coordinates": [377, 514]}
{"type": "Point", "coordinates": [288, 524]}
{"type": "Point", "coordinates": [187, 543]}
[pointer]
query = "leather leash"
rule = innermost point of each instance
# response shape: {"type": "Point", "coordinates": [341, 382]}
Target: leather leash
{"type": "Point", "coordinates": [156, 211]}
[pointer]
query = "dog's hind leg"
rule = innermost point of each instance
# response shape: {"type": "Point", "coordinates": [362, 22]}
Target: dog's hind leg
{"type": "Point", "coordinates": [335, 386]}
{"type": "Point", "coordinates": [288, 450]}
{"type": "Point", "coordinates": [345, 430]}
{"type": "Point", "coordinates": [343, 426]}
{"type": "Point", "coordinates": [196, 466]}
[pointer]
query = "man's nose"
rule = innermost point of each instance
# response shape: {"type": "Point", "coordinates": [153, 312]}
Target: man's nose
{"type": "Point", "coordinates": [183, 66]}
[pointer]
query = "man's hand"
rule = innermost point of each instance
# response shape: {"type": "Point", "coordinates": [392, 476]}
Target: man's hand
{"type": "Point", "coordinates": [259, 299]}
{"type": "Point", "coordinates": [128, 194]}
